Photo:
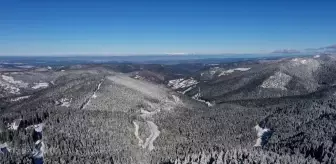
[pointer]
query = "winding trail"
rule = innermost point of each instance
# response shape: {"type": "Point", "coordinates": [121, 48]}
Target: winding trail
{"type": "Point", "coordinates": [136, 133]}
{"type": "Point", "coordinates": [152, 91]}
{"type": "Point", "coordinates": [154, 134]}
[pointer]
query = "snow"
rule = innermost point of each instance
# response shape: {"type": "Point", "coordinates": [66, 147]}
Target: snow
{"type": "Point", "coordinates": [40, 85]}
{"type": "Point", "coordinates": [19, 98]}
{"type": "Point", "coordinates": [242, 69]}
{"type": "Point", "coordinates": [143, 87]}
{"type": "Point", "coordinates": [262, 134]}
{"type": "Point", "coordinates": [223, 73]}
{"type": "Point", "coordinates": [10, 85]}
{"type": "Point", "coordinates": [49, 67]}
{"type": "Point", "coordinates": [181, 83]}
{"type": "Point", "coordinates": [14, 125]}
{"type": "Point", "coordinates": [277, 81]}
{"type": "Point", "coordinates": [64, 102]}
{"type": "Point", "coordinates": [38, 151]}
{"type": "Point", "coordinates": [152, 137]}
{"type": "Point", "coordinates": [317, 56]}
{"type": "Point", "coordinates": [147, 114]}
{"type": "Point", "coordinates": [295, 59]}
{"type": "Point", "coordinates": [197, 97]}
{"type": "Point", "coordinates": [25, 66]}
{"type": "Point", "coordinates": [11, 80]}
{"type": "Point", "coordinates": [137, 77]}
{"type": "Point", "coordinates": [38, 127]}
{"type": "Point", "coordinates": [176, 99]}
{"type": "Point", "coordinates": [3, 145]}
{"type": "Point", "coordinates": [136, 133]}
{"type": "Point", "coordinates": [212, 72]}
{"type": "Point", "coordinates": [187, 90]}
{"type": "Point", "coordinates": [98, 87]}
{"type": "Point", "coordinates": [302, 61]}
{"type": "Point", "coordinates": [62, 70]}
{"type": "Point", "coordinates": [208, 103]}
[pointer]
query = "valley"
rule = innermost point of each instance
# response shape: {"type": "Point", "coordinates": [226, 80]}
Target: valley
{"type": "Point", "coordinates": [255, 111]}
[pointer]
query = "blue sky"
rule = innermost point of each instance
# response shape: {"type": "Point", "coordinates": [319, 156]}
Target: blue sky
{"type": "Point", "coordinates": [57, 27]}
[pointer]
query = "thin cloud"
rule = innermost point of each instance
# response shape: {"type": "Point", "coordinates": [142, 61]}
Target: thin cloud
{"type": "Point", "coordinates": [286, 51]}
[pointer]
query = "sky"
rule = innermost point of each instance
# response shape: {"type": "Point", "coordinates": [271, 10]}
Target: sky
{"type": "Point", "coordinates": [110, 27]}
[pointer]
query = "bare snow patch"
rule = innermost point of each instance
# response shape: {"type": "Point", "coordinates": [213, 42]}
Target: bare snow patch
{"type": "Point", "coordinates": [137, 85]}
{"type": "Point", "coordinates": [95, 92]}
{"type": "Point", "coordinates": [226, 72]}
{"type": "Point", "coordinates": [11, 80]}
{"type": "Point", "coordinates": [278, 81]}
{"type": "Point", "coordinates": [15, 124]}
{"type": "Point", "coordinates": [317, 56]}
{"type": "Point", "coordinates": [304, 61]}
{"type": "Point", "coordinates": [19, 98]}
{"type": "Point", "coordinates": [187, 90]}
{"type": "Point", "coordinates": [182, 83]}
{"type": "Point", "coordinates": [137, 77]}
{"type": "Point", "coordinates": [263, 135]}
{"type": "Point", "coordinates": [38, 127]}
{"type": "Point", "coordinates": [197, 97]}
{"type": "Point", "coordinates": [65, 102]}
{"type": "Point", "coordinates": [40, 85]}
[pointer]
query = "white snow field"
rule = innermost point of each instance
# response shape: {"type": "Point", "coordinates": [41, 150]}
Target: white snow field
{"type": "Point", "coordinates": [277, 81]}
{"type": "Point", "coordinates": [19, 98]}
{"type": "Point", "coordinates": [182, 83]}
{"type": "Point", "coordinates": [149, 90]}
{"type": "Point", "coordinates": [40, 85]}
{"type": "Point", "coordinates": [227, 72]}
{"type": "Point", "coordinates": [10, 85]}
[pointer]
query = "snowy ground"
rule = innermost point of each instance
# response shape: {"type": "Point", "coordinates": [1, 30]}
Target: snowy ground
{"type": "Point", "coordinates": [40, 85]}
{"type": "Point", "coordinates": [162, 102]}
{"type": "Point", "coordinates": [149, 90]}
{"type": "Point", "coordinates": [65, 102]}
{"type": "Point", "coordinates": [19, 98]}
{"type": "Point", "coordinates": [317, 56]}
{"type": "Point", "coordinates": [262, 134]}
{"type": "Point", "coordinates": [278, 81]}
{"type": "Point", "coordinates": [187, 90]}
{"type": "Point", "coordinates": [226, 72]}
{"type": "Point", "coordinates": [14, 125]}
{"type": "Point", "coordinates": [182, 83]}
{"type": "Point", "coordinates": [197, 97]}
{"type": "Point", "coordinates": [11, 85]}
{"type": "Point", "coordinates": [95, 92]}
